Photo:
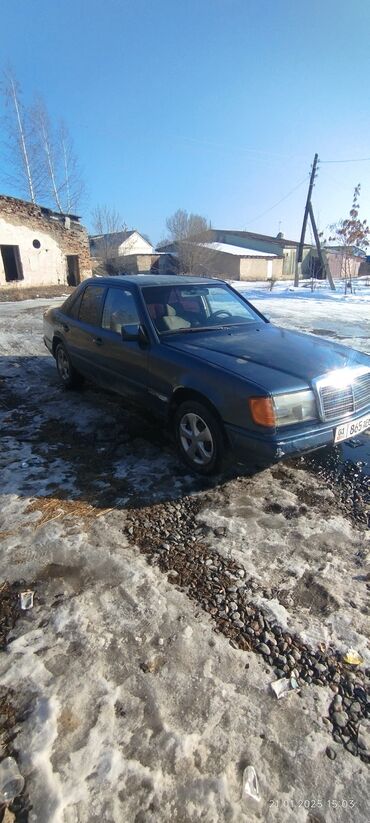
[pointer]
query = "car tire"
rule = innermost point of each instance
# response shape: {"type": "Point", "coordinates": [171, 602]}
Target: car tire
{"type": "Point", "coordinates": [199, 437]}
{"type": "Point", "coordinates": [70, 378]}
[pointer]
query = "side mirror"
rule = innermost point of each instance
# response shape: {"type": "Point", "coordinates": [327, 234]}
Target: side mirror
{"type": "Point", "coordinates": [133, 332]}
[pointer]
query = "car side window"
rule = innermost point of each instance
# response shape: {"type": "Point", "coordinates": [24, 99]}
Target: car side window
{"type": "Point", "coordinates": [74, 309]}
{"type": "Point", "coordinates": [119, 310]}
{"type": "Point", "coordinates": [91, 305]}
{"type": "Point", "coordinates": [68, 304]}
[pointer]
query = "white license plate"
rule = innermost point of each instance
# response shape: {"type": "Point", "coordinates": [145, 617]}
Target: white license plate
{"type": "Point", "coordinates": [351, 429]}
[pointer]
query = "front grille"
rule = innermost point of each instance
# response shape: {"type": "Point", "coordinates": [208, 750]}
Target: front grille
{"type": "Point", "coordinates": [350, 399]}
{"type": "Point", "coordinates": [361, 388]}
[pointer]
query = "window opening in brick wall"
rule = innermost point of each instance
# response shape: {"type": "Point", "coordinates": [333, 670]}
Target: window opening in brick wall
{"type": "Point", "coordinates": [73, 269]}
{"type": "Point", "coordinates": [12, 263]}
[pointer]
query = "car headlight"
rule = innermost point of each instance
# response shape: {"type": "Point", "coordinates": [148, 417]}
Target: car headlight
{"type": "Point", "coordinates": [294, 407]}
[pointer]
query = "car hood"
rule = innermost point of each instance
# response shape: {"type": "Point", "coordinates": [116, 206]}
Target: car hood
{"type": "Point", "coordinates": [264, 353]}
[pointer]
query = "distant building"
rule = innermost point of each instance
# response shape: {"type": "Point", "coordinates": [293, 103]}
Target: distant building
{"type": "Point", "coordinates": [41, 247]}
{"type": "Point", "coordinates": [243, 255]}
{"type": "Point", "coordinates": [347, 262]}
{"type": "Point", "coordinates": [122, 251]}
{"type": "Point", "coordinates": [118, 244]}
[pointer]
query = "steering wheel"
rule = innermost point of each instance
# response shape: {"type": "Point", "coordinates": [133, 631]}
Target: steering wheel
{"type": "Point", "coordinates": [220, 312]}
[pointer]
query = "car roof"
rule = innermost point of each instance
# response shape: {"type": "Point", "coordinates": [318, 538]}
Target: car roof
{"type": "Point", "coordinates": [152, 280]}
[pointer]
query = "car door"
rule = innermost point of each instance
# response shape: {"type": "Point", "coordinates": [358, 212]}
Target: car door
{"type": "Point", "coordinates": [122, 364]}
{"type": "Point", "coordinates": [82, 328]}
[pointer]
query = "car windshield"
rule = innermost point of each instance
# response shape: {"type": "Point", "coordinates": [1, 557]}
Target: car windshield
{"type": "Point", "coordinates": [174, 309]}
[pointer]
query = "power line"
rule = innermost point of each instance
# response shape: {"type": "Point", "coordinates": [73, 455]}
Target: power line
{"type": "Point", "coordinates": [353, 160]}
{"type": "Point", "coordinates": [279, 201]}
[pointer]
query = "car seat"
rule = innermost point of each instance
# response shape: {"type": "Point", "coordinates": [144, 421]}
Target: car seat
{"type": "Point", "coordinates": [171, 321]}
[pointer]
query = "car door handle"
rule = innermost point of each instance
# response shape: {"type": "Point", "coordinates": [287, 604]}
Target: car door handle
{"type": "Point", "coordinates": [98, 341]}
{"type": "Point", "coordinates": [65, 327]}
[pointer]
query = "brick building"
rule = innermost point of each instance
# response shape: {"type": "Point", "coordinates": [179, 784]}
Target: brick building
{"type": "Point", "coordinates": [41, 247]}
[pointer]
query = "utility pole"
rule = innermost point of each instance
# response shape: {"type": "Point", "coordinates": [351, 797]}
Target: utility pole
{"type": "Point", "coordinates": [305, 218]}
{"type": "Point", "coordinates": [308, 212]}
{"type": "Point", "coordinates": [322, 258]}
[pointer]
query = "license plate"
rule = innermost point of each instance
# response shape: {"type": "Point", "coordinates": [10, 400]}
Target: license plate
{"type": "Point", "coordinates": [351, 429]}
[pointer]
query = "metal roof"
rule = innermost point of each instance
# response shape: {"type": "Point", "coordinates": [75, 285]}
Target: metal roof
{"type": "Point", "coordinates": [281, 241]}
{"type": "Point", "coordinates": [238, 251]}
{"type": "Point", "coordinates": [236, 233]}
{"type": "Point", "coordinates": [119, 236]}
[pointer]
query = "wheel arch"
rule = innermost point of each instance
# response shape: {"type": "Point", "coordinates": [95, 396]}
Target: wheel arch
{"type": "Point", "coordinates": [183, 394]}
{"type": "Point", "coordinates": [56, 340]}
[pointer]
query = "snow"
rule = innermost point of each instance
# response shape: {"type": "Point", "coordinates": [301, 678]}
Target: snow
{"type": "Point", "coordinates": [335, 315]}
{"type": "Point", "coordinates": [272, 548]}
{"type": "Point", "coordinates": [321, 290]}
{"type": "Point", "coordinates": [106, 740]}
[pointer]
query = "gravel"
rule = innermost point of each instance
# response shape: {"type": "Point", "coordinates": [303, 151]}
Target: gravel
{"type": "Point", "coordinates": [214, 582]}
{"type": "Point", "coordinates": [11, 710]}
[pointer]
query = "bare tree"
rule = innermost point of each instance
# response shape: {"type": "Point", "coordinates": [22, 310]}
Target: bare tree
{"type": "Point", "coordinates": [107, 222]}
{"type": "Point", "coordinates": [189, 233]}
{"type": "Point", "coordinates": [349, 234]}
{"type": "Point", "coordinates": [23, 171]}
{"type": "Point", "coordinates": [47, 152]}
{"type": "Point", "coordinates": [183, 226]}
{"type": "Point", "coordinates": [73, 188]}
{"type": "Point", "coordinates": [40, 158]}
{"type": "Point", "coordinates": [62, 181]}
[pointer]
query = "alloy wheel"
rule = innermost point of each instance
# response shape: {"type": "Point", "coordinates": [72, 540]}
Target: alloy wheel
{"type": "Point", "coordinates": [196, 439]}
{"type": "Point", "coordinates": [63, 365]}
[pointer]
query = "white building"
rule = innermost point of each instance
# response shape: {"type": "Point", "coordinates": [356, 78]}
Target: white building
{"type": "Point", "coordinates": [40, 247]}
{"type": "Point", "coordinates": [119, 244]}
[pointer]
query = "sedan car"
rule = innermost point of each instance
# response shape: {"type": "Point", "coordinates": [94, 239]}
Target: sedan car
{"type": "Point", "coordinates": [198, 355]}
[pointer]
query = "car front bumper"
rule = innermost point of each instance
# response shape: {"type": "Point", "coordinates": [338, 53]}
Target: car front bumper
{"type": "Point", "coordinates": [267, 448]}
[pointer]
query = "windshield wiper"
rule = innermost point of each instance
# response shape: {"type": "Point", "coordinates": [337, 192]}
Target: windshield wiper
{"type": "Point", "coordinates": [195, 329]}
{"type": "Point", "coordinates": [192, 329]}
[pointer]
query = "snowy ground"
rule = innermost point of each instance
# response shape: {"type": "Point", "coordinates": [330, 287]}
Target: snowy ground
{"type": "Point", "coordinates": [138, 710]}
{"type": "Point", "coordinates": [331, 314]}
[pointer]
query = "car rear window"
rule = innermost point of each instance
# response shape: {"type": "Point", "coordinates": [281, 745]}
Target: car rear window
{"type": "Point", "coordinates": [91, 305]}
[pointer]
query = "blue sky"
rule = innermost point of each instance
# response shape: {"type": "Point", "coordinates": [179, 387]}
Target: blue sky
{"type": "Point", "coordinates": [215, 106]}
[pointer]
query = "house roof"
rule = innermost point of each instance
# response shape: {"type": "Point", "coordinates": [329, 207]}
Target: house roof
{"type": "Point", "coordinates": [282, 241]}
{"type": "Point", "coordinates": [355, 251]}
{"type": "Point", "coordinates": [238, 251]}
{"type": "Point", "coordinates": [244, 235]}
{"type": "Point", "coordinates": [117, 236]}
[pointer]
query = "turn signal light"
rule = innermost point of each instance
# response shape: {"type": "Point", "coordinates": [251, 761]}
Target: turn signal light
{"type": "Point", "coordinates": [262, 411]}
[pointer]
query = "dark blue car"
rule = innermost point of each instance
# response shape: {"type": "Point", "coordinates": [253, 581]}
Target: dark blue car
{"type": "Point", "coordinates": [200, 357]}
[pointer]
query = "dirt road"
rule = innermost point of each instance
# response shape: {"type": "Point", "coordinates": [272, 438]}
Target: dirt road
{"type": "Point", "coordinates": [165, 606]}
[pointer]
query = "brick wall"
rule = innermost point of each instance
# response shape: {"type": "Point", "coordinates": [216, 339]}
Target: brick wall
{"type": "Point", "coordinates": [23, 224]}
